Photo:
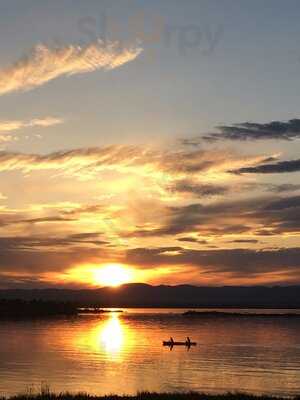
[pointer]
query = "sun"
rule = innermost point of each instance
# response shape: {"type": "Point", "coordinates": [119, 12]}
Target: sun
{"type": "Point", "coordinates": [112, 275]}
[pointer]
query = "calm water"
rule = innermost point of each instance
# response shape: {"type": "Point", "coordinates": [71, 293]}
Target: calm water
{"type": "Point", "coordinates": [123, 354]}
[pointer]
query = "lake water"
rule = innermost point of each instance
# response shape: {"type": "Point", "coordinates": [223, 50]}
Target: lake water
{"type": "Point", "coordinates": [123, 353]}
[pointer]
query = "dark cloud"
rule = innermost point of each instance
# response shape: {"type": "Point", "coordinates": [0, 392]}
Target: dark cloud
{"type": "Point", "coordinates": [285, 187]}
{"type": "Point", "coordinates": [45, 219]}
{"type": "Point", "coordinates": [63, 215]}
{"type": "Point", "coordinates": [28, 261]}
{"type": "Point", "coordinates": [34, 242]}
{"type": "Point", "coordinates": [284, 203]}
{"type": "Point", "coordinates": [209, 190]}
{"type": "Point", "coordinates": [217, 219]}
{"type": "Point", "coordinates": [38, 261]}
{"type": "Point", "coordinates": [265, 187]}
{"type": "Point", "coordinates": [236, 262]}
{"type": "Point", "coordinates": [192, 240]}
{"type": "Point", "coordinates": [198, 189]}
{"type": "Point", "coordinates": [276, 168]}
{"type": "Point", "coordinates": [252, 241]}
{"type": "Point", "coordinates": [14, 217]}
{"type": "Point", "coordinates": [279, 130]}
{"type": "Point", "coordinates": [261, 214]}
{"type": "Point", "coordinates": [249, 131]}
{"type": "Point", "coordinates": [35, 255]}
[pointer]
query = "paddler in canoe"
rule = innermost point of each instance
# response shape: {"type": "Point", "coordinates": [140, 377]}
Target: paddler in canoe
{"type": "Point", "coordinates": [172, 343]}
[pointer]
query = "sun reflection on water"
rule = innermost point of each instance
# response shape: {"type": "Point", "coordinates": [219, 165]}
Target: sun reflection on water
{"type": "Point", "coordinates": [112, 335]}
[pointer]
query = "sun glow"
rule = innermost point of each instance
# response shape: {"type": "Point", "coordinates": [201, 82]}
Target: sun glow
{"type": "Point", "coordinates": [112, 275]}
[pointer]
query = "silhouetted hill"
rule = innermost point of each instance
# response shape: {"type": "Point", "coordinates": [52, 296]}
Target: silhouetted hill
{"type": "Point", "coordinates": [142, 295]}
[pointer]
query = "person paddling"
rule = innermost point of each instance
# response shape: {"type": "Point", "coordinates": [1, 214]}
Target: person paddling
{"type": "Point", "coordinates": [188, 341]}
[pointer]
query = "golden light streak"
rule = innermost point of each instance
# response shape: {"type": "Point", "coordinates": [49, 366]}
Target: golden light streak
{"type": "Point", "coordinates": [112, 335]}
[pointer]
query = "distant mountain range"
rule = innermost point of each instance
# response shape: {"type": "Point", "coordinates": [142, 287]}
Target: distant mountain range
{"type": "Point", "coordinates": [142, 295]}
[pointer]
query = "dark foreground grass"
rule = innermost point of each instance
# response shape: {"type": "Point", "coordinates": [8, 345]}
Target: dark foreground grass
{"type": "Point", "coordinates": [148, 396]}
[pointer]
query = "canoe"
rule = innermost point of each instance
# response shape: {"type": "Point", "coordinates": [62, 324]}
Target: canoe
{"type": "Point", "coordinates": [170, 344]}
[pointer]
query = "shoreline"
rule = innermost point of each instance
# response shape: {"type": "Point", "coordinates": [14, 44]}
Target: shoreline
{"type": "Point", "coordinates": [148, 396]}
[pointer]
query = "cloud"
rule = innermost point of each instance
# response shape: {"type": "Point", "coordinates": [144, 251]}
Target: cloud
{"type": "Point", "coordinates": [275, 168]}
{"type": "Point", "coordinates": [250, 131]}
{"type": "Point", "coordinates": [56, 250]}
{"type": "Point", "coordinates": [251, 241]}
{"type": "Point", "coordinates": [35, 255]}
{"type": "Point", "coordinates": [284, 203]}
{"type": "Point", "coordinates": [20, 267]}
{"type": "Point", "coordinates": [153, 198]}
{"type": "Point", "coordinates": [192, 240]}
{"type": "Point", "coordinates": [44, 122]}
{"type": "Point", "coordinates": [6, 138]}
{"type": "Point", "coordinates": [265, 187]}
{"type": "Point", "coordinates": [44, 64]}
{"type": "Point", "coordinates": [282, 188]}
{"type": "Point", "coordinates": [10, 126]}
{"type": "Point", "coordinates": [88, 162]}
{"type": "Point", "coordinates": [54, 214]}
{"type": "Point", "coordinates": [238, 260]}
{"type": "Point", "coordinates": [35, 262]}
{"type": "Point", "coordinates": [37, 259]}
{"type": "Point", "coordinates": [254, 216]}
{"type": "Point", "coordinates": [35, 243]}
{"type": "Point", "coordinates": [225, 265]}
{"type": "Point", "coordinates": [6, 127]}
{"type": "Point", "coordinates": [198, 189]}
{"type": "Point", "coordinates": [143, 207]}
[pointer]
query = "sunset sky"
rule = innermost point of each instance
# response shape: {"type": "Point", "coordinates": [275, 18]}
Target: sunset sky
{"type": "Point", "coordinates": [154, 140]}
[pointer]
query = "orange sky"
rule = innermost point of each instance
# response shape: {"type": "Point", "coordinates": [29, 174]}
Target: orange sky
{"type": "Point", "coordinates": [113, 153]}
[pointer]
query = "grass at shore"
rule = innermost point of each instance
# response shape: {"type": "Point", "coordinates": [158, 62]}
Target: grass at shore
{"type": "Point", "coordinates": [146, 396]}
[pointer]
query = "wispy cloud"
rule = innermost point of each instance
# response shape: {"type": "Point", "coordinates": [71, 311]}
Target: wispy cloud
{"type": "Point", "coordinates": [10, 126]}
{"type": "Point", "coordinates": [88, 162]}
{"type": "Point", "coordinates": [44, 122]}
{"type": "Point", "coordinates": [44, 64]}
{"type": "Point", "coordinates": [6, 127]}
